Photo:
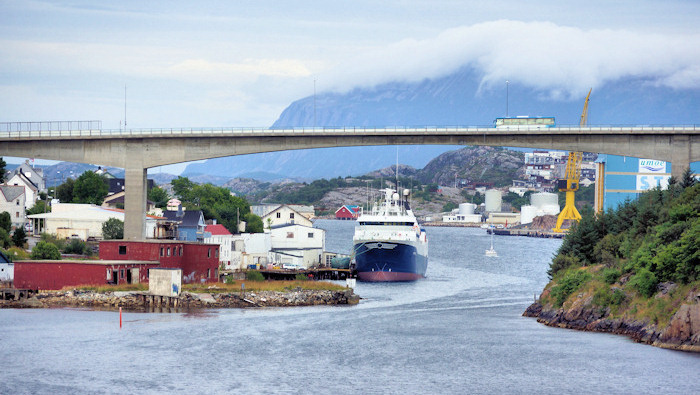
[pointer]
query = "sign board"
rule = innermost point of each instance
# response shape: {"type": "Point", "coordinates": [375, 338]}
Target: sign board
{"type": "Point", "coordinates": [165, 282]}
{"type": "Point", "coordinates": [653, 174]}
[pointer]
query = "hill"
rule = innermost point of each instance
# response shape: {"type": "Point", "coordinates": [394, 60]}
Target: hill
{"type": "Point", "coordinates": [634, 270]}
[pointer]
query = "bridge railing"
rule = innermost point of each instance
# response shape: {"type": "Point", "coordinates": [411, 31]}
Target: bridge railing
{"type": "Point", "coordinates": [73, 129]}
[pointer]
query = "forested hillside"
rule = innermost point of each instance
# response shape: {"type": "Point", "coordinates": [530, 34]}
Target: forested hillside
{"type": "Point", "coordinates": [633, 270]}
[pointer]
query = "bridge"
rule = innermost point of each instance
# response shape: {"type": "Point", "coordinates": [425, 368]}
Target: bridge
{"type": "Point", "coordinates": [136, 150]}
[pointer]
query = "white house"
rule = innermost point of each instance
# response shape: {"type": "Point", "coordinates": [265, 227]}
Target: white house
{"type": "Point", "coordinates": [34, 175]}
{"type": "Point", "coordinates": [70, 220]}
{"type": "Point", "coordinates": [297, 245]}
{"type": "Point", "coordinates": [31, 190]}
{"type": "Point", "coordinates": [282, 215]}
{"type": "Point", "coordinates": [12, 200]}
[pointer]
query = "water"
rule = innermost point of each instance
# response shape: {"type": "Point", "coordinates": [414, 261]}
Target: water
{"type": "Point", "coordinates": [458, 331]}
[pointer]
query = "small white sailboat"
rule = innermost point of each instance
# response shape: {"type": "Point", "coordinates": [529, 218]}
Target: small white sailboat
{"type": "Point", "coordinates": [491, 251]}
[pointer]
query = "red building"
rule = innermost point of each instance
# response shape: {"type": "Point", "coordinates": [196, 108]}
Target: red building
{"type": "Point", "coordinates": [67, 273]}
{"type": "Point", "coordinates": [199, 262]}
{"type": "Point", "coordinates": [347, 212]}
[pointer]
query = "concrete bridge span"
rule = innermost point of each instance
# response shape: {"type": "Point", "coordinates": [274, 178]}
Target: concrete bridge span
{"type": "Point", "coordinates": [138, 150]}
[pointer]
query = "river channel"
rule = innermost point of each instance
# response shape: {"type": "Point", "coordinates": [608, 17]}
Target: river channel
{"type": "Point", "coordinates": [459, 331]}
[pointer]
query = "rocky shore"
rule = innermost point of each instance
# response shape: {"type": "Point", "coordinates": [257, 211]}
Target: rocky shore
{"type": "Point", "coordinates": [681, 333]}
{"type": "Point", "coordinates": [187, 300]}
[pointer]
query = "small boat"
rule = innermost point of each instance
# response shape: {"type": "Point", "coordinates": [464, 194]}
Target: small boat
{"type": "Point", "coordinates": [491, 251]}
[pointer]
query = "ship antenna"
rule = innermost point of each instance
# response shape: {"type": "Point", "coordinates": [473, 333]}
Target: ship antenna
{"type": "Point", "coordinates": [397, 168]}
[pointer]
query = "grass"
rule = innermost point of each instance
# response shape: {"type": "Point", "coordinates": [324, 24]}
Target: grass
{"type": "Point", "coordinates": [258, 286]}
{"type": "Point", "coordinates": [250, 286]}
{"type": "Point", "coordinates": [102, 288]}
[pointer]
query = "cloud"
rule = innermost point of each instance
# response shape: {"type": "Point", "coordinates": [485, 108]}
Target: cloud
{"type": "Point", "coordinates": [557, 59]}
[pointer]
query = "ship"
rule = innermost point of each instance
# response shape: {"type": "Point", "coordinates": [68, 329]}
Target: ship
{"type": "Point", "coordinates": [389, 244]}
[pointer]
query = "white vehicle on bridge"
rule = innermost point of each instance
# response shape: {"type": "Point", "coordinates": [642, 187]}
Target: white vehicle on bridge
{"type": "Point", "coordinates": [524, 122]}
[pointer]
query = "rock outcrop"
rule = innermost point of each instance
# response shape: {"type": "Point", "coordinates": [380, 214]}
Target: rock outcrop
{"type": "Point", "coordinates": [682, 332]}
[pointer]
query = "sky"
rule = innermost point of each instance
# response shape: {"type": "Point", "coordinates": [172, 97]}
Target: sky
{"type": "Point", "coordinates": [167, 64]}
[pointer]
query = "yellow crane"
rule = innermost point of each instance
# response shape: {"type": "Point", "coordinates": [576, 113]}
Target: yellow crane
{"type": "Point", "coordinates": [573, 175]}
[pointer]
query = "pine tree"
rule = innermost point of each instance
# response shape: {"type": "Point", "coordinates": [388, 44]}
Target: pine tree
{"type": "Point", "coordinates": [688, 180]}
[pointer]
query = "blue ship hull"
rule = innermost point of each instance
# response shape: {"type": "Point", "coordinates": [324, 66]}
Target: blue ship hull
{"type": "Point", "coordinates": [388, 261]}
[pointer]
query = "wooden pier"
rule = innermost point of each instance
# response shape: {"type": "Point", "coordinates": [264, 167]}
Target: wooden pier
{"type": "Point", "coordinates": [16, 293]}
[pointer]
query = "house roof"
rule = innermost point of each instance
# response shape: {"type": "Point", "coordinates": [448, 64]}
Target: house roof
{"type": "Point", "coordinates": [217, 230]}
{"type": "Point", "coordinates": [11, 192]}
{"type": "Point", "coordinates": [187, 218]}
{"type": "Point", "coordinates": [351, 208]}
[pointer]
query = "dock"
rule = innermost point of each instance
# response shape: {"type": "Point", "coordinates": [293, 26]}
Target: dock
{"type": "Point", "coordinates": [321, 273]}
{"type": "Point", "coordinates": [527, 232]}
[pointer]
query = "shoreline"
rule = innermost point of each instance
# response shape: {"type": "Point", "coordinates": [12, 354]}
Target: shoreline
{"type": "Point", "coordinates": [134, 300]}
{"type": "Point", "coordinates": [681, 333]}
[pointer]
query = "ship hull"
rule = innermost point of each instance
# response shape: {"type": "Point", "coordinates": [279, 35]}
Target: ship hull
{"type": "Point", "coordinates": [378, 261]}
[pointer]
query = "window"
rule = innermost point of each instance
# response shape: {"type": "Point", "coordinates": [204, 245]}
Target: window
{"type": "Point", "coordinates": [279, 215]}
{"type": "Point", "coordinates": [290, 235]}
{"type": "Point", "coordinates": [167, 251]}
{"type": "Point", "coordinates": [121, 273]}
{"type": "Point", "coordinates": [18, 202]}
{"type": "Point", "coordinates": [208, 273]}
{"type": "Point", "coordinates": [180, 250]}
{"type": "Point", "coordinates": [208, 253]}
{"type": "Point", "coordinates": [161, 251]}
{"type": "Point", "coordinates": [311, 235]}
{"type": "Point", "coordinates": [122, 250]}
{"type": "Point", "coordinates": [216, 253]}
{"type": "Point", "coordinates": [291, 215]}
{"type": "Point", "coordinates": [17, 214]}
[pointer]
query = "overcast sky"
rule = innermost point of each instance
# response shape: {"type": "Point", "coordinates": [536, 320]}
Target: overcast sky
{"type": "Point", "coordinates": [206, 63]}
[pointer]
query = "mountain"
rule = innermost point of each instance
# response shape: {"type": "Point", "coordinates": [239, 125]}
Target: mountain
{"type": "Point", "coordinates": [457, 99]}
{"type": "Point", "coordinates": [476, 164]}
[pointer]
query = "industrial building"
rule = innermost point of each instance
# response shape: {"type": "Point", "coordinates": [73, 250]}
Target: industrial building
{"type": "Point", "coordinates": [199, 262]}
{"type": "Point", "coordinates": [53, 275]}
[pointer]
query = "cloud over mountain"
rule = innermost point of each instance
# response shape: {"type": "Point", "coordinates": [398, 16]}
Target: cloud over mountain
{"type": "Point", "coordinates": [560, 61]}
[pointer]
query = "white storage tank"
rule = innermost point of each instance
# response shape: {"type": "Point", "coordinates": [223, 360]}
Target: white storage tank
{"type": "Point", "coordinates": [493, 200]}
{"type": "Point", "coordinates": [542, 199]}
{"type": "Point", "coordinates": [527, 214]}
{"type": "Point", "coordinates": [467, 208]}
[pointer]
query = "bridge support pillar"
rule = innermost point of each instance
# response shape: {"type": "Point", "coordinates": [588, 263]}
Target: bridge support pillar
{"type": "Point", "coordinates": [135, 202]}
{"type": "Point", "coordinates": [680, 155]}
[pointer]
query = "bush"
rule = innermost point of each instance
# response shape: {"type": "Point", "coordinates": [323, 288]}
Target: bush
{"type": "Point", "coordinates": [19, 237]}
{"type": "Point", "coordinates": [644, 282]}
{"type": "Point", "coordinates": [301, 277]}
{"type": "Point", "coordinates": [45, 250]}
{"type": "Point", "coordinates": [604, 297]}
{"type": "Point", "coordinates": [570, 282]}
{"type": "Point", "coordinates": [16, 253]}
{"type": "Point", "coordinates": [562, 262]}
{"type": "Point", "coordinates": [5, 241]}
{"type": "Point", "coordinates": [611, 275]}
{"type": "Point", "coordinates": [77, 246]}
{"type": "Point", "coordinates": [254, 275]}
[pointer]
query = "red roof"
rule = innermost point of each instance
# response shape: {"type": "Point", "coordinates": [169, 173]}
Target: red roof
{"type": "Point", "coordinates": [217, 230]}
